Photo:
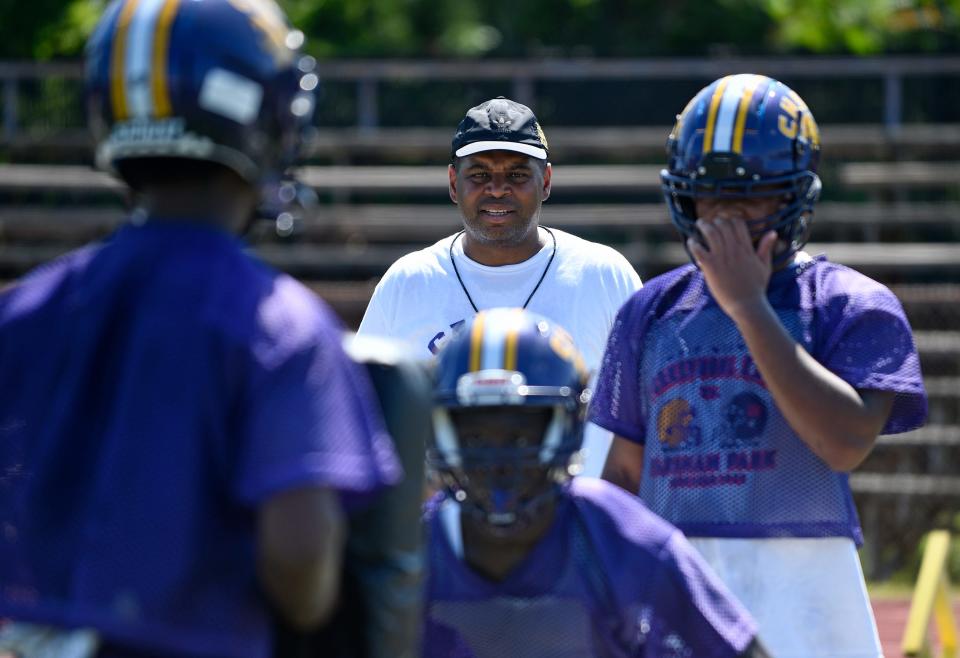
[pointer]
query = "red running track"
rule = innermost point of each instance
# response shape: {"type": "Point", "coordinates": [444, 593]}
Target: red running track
{"type": "Point", "coordinates": [891, 614]}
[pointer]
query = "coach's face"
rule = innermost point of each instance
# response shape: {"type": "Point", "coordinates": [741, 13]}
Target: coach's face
{"type": "Point", "coordinates": [499, 194]}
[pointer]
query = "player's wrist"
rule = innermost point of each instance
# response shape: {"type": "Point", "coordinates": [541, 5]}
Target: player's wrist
{"type": "Point", "coordinates": [750, 312]}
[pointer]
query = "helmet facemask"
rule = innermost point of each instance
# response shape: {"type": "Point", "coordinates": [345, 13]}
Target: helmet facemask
{"type": "Point", "coordinates": [799, 191]}
{"type": "Point", "coordinates": [504, 458]}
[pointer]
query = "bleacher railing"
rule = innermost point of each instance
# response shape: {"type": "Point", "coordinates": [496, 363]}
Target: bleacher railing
{"type": "Point", "coordinates": [524, 76]}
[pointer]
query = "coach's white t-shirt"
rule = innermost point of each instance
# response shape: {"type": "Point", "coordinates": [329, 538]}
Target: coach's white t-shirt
{"type": "Point", "coordinates": [420, 301]}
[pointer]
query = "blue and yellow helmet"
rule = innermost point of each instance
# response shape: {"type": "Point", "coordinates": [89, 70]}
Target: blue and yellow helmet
{"type": "Point", "coordinates": [507, 363]}
{"type": "Point", "coordinates": [221, 81]}
{"type": "Point", "coordinates": [741, 136]}
{"type": "Point", "coordinates": [510, 356]}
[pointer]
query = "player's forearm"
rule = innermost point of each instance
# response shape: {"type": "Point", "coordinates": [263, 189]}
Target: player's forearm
{"type": "Point", "coordinates": [303, 592]}
{"type": "Point", "coordinates": [621, 477]}
{"type": "Point", "coordinates": [624, 465]}
{"type": "Point", "coordinates": [301, 541]}
{"type": "Point", "coordinates": [827, 413]}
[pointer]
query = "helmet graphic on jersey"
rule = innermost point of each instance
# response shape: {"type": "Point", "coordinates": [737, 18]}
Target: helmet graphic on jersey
{"type": "Point", "coordinates": [509, 402]}
{"type": "Point", "coordinates": [675, 425]}
{"type": "Point", "coordinates": [745, 136]}
{"type": "Point", "coordinates": [220, 81]}
{"type": "Point", "coordinates": [747, 415]}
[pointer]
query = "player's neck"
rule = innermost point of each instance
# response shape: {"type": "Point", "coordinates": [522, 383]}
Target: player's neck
{"type": "Point", "coordinates": [229, 207]}
{"type": "Point", "coordinates": [787, 262]}
{"type": "Point", "coordinates": [495, 558]}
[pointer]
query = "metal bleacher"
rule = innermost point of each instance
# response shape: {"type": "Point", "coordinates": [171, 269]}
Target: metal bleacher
{"type": "Point", "coordinates": [891, 205]}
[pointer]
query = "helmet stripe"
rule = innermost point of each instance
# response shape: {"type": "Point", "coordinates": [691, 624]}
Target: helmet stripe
{"type": "Point", "coordinates": [118, 56]}
{"type": "Point", "coordinates": [513, 334]}
{"type": "Point", "coordinates": [476, 343]}
{"type": "Point", "coordinates": [161, 51]}
{"type": "Point", "coordinates": [712, 114]}
{"type": "Point", "coordinates": [140, 58]}
{"type": "Point", "coordinates": [494, 340]}
{"type": "Point", "coordinates": [748, 90]}
{"type": "Point", "coordinates": [727, 114]}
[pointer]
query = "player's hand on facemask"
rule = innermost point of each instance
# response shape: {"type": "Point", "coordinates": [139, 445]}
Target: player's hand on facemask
{"type": "Point", "coordinates": [736, 272]}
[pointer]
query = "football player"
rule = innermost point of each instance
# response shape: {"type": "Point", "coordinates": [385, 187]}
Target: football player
{"type": "Point", "coordinates": [180, 427]}
{"type": "Point", "coordinates": [743, 387]}
{"type": "Point", "coordinates": [526, 561]}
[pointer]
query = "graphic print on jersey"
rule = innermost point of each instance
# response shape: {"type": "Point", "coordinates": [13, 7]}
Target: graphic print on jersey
{"type": "Point", "coordinates": [711, 408]}
{"type": "Point", "coordinates": [713, 425]}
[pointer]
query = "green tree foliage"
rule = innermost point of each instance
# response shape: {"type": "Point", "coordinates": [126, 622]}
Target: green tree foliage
{"type": "Point", "coordinates": [507, 28]}
{"type": "Point", "coordinates": [867, 27]}
{"type": "Point", "coordinates": [22, 22]}
{"type": "Point", "coordinates": [625, 28]}
{"type": "Point", "coordinates": [42, 29]}
{"type": "Point", "coordinates": [67, 35]}
{"type": "Point", "coordinates": [564, 28]}
{"type": "Point", "coordinates": [377, 28]}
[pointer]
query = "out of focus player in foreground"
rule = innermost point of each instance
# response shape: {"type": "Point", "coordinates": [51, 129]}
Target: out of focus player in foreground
{"type": "Point", "coordinates": [742, 388]}
{"type": "Point", "coordinates": [525, 561]}
{"type": "Point", "coordinates": [180, 427]}
{"type": "Point", "coordinates": [379, 611]}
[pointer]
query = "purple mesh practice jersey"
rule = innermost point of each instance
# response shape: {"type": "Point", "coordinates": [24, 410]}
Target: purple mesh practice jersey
{"type": "Point", "coordinates": [609, 579]}
{"type": "Point", "coordinates": [720, 460]}
{"type": "Point", "coordinates": [155, 390]}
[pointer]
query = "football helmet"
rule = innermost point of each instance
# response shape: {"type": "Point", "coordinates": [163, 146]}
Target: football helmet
{"type": "Point", "coordinates": [745, 136]}
{"type": "Point", "coordinates": [510, 393]}
{"type": "Point", "coordinates": [220, 81]}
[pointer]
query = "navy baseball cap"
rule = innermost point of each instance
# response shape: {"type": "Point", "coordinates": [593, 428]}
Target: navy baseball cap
{"type": "Point", "coordinates": [500, 124]}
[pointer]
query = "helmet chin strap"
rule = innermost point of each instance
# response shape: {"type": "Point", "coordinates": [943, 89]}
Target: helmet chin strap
{"type": "Point", "coordinates": [445, 435]}
{"type": "Point", "coordinates": [450, 520]}
{"type": "Point", "coordinates": [553, 437]}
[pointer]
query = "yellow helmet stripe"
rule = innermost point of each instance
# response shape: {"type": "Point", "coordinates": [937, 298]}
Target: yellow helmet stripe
{"type": "Point", "coordinates": [161, 50]}
{"type": "Point", "coordinates": [745, 98]}
{"type": "Point", "coordinates": [712, 114]}
{"type": "Point", "coordinates": [513, 333]}
{"type": "Point", "coordinates": [118, 57]}
{"type": "Point", "coordinates": [476, 343]}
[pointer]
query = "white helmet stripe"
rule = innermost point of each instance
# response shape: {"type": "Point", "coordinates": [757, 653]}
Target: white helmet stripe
{"type": "Point", "coordinates": [494, 341]}
{"type": "Point", "coordinates": [139, 58]}
{"type": "Point", "coordinates": [497, 339]}
{"type": "Point", "coordinates": [727, 113]}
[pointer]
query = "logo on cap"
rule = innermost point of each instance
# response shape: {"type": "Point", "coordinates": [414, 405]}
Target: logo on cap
{"type": "Point", "coordinates": [500, 124]}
